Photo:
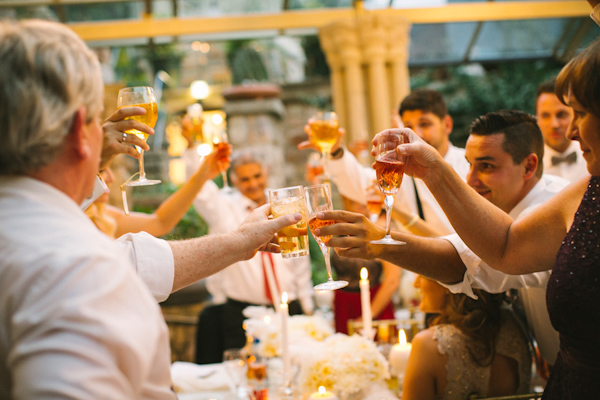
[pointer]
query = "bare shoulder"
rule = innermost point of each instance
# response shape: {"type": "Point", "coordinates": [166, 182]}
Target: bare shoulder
{"type": "Point", "coordinates": [424, 342]}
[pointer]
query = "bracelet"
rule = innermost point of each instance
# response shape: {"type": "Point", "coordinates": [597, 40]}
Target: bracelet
{"type": "Point", "coordinates": [412, 221]}
{"type": "Point", "coordinates": [338, 153]}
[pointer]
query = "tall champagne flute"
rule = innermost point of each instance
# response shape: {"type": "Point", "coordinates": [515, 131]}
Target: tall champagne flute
{"type": "Point", "coordinates": [389, 166]}
{"type": "Point", "coordinates": [220, 140]}
{"type": "Point", "coordinates": [325, 132]}
{"type": "Point", "coordinates": [140, 96]}
{"type": "Point", "coordinates": [318, 198]}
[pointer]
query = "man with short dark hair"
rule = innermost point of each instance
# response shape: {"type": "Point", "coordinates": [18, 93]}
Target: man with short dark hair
{"type": "Point", "coordinates": [503, 150]}
{"type": "Point", "coordinates": [563, 157]}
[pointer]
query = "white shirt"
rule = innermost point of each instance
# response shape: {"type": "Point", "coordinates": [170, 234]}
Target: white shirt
{"type": "Point", "coordinates": [532, 286]}
{"type": "Point", "coordinates": [76, 320]}
{"type": "Point", "coordinates": [352, 179]}
{"type": "Point", "coordinates": [244, 281]}
{"type": "Point", "coordinates": [571, 172]}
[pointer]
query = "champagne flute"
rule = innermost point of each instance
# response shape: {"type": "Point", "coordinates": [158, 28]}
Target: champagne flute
{"type": "Point", "coordinates": [318, 198]}
{"type": "Point", "coordinates": [389, 166]}
{"type": "Point", "coordinates": [140, 96]}
{"type": "Point", "coordinates": [325, 132]}
{"type": "Point", "coordinates": [220, 140]}
{"type": "Point", "coordinates": [235, 365]}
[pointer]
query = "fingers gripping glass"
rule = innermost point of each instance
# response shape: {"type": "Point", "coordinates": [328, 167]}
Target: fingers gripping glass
{"type": "Point", "coordinates": [389, 166]}
{"type": "Point", "coordinates": [140, 96]}
{"type": "Point", "coordinates": [318, 198]}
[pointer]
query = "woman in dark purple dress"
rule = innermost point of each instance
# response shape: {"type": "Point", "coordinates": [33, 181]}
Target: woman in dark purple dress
{"type": "Point", "coordinates": [563, 234]}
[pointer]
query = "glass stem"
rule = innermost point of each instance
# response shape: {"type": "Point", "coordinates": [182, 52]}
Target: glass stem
{"type": "Point", "coordinates": [325, 251]}
{"type": "Point", "coordinates": [141, 162]}
{"type": "Point", "coordinates": [325, 156]}
{"type": "Point", "coordinates": [225, 180]}
{"type": "Point", "coordinates": [389, 203]}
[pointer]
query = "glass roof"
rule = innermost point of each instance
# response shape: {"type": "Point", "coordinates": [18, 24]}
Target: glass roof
{"type": "Point", "coordinates": [431, 44]}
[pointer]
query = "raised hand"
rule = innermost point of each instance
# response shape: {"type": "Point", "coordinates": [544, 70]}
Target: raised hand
{"type": "Point", "coordinates": [115, 142]}
{"type": "Point", "coordinates": [421, 158]}
{"type": "Point", "coordinates": [257, 232]}
{"type": "Point", "coordinates": [217, 160]}
{"type": "Point", "coordinates": [351, 234]}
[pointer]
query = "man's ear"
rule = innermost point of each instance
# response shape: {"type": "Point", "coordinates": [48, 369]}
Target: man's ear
{"type": "Point", "coordinates": [78, 135]}
{"type": "Point", "coordinates": [531, 165]}
{"type": "Point", "coordinates": [448, 123]}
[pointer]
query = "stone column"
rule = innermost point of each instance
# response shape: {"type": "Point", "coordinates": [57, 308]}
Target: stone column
{"type": "Point", "coordinates": [370, 52]}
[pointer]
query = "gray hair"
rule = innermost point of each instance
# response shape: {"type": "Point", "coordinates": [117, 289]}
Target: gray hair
{"type": "Point", "coordinates": [47, 72]}
{"type": "Point", "coordinates": [244, 158]}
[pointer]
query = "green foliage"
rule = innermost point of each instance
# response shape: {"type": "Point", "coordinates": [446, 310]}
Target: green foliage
{"type": "Point", "coordinates": [501, 86]}
{"type": "Point", "coordinates": [166, 57]}
{"type": "Point", "coordinates": [316, 64]}
{"type": "Point", "coordinates": [191, 225]}
{"type": "Point", "coordinates": [245, 62]}
{"type": "Point", "coordinates": [317, 261]}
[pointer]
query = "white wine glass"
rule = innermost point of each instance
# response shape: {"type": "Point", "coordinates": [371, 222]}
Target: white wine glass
{"type": "Point", "coordinates": [140, 96]}
{"type": "Point", "coordinates": [324, 126]}
{"type": "Point", "coordinates": [318, 198]}
{"type": "Point", "coordinates": [389, 166]}
{"type": "Point", "coordinates": [235, 364]}
{"type": "Point", "coordinates": [221, 140]}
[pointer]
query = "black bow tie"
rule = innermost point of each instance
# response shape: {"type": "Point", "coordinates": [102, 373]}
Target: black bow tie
{"type": "Point", "coordinates": [569, 159]}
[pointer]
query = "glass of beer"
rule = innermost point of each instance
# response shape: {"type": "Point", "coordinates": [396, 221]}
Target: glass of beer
{"type": "Point", "coordinates": [220, 140]}
{"type": "Point", "coordinates": [389, 166]}
{"type": "Point", "coordinates": [140, 96]}
{"type": "Point", "coordinates": [293, 239]}
{"type": "Point", "coordinates": [325, 132]}
{"type": "Point", "coordinates": [318, 198]}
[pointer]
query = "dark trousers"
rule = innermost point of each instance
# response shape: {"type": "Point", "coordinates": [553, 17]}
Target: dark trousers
{"type": "Point", "coordinates": [220, 328]}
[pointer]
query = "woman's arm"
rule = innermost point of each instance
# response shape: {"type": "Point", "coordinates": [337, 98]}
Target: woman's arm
{"type": "Point", "coordinates": [170, 212]}
{"type": "Point", "coordinates": [391, 281]}
{"type": "Point", "coordinates": [425, 363]}
{"type": "Point", "coordinates": [526, 246]}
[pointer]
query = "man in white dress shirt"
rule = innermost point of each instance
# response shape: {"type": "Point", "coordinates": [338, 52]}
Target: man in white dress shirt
{"type": "Point", "coordinates": [244, 283]}
{"type": "Point", "coordinates": [77, 322]}
{"type": "Point", "coordinates": [504, 150]}
{"type": "Point", "coordinates": [425, 112]}
{"type": "Point", "coordinates": [562, 156]}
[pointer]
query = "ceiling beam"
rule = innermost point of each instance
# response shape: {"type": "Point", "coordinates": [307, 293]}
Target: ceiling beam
{"type": "Point", "coordinates": [148, 27]}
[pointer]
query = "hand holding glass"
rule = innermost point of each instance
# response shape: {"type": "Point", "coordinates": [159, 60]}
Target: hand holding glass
{"type": "Point", "coordinates": [318, 198]}
{"type": "Point", "coordinates": [389, 166]}
{"type": "Point", "coordinates": [140, 96]}
{"type": "Point", "coordinates": [325, 132]}
{"type": "Point", "coordinates": [293, 239]}
{"type": "Point", "coordinates": [220, 140]}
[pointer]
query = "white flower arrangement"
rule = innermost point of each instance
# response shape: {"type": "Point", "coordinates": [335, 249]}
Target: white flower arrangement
{"type": "Point", "coordinates": [343, 364]}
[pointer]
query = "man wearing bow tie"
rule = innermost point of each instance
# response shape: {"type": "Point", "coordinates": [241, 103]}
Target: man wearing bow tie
{"type": "Point", "coordinates": [562, 157]}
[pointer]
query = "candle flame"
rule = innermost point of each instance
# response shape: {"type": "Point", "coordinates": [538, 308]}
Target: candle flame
{"type": "Point", "coordinates": [402, 337]}
{"type": "Point", "coordinates": [284, 297]}
{"type": "Point", "coordinates": [364, 274]}
{"type": "Point", "coordinates": [322, 389]}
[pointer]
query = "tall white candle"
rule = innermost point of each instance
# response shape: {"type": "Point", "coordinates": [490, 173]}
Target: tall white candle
{"type": "Point", "coordinates": [322, 393]}
{"type": "Point", "coordinates": [399, 354]}
{"type": "Point", "coordinates": [285, 351]}
{"type": "Point", "coordinates": [365, 302]}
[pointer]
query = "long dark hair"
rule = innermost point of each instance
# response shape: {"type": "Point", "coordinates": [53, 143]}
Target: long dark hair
{"type": "Point", "coordinates": [479, 320]}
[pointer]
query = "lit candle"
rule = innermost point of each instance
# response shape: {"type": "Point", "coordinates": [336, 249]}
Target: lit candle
{"type": "Point", "coordinates": [285, 353]}
{"type": "Point", "coordinates": [365, 302]}
{"type": "Point", "coordinates": [399, 354]}
{"type": "Point", "coordinates": [322, 394]}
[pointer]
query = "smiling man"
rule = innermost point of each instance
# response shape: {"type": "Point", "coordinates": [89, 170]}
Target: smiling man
{"type": "Point", "coordinates": [503, 149]}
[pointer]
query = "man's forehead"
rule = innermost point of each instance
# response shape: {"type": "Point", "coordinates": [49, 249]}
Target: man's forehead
{"type": "Point", "coordinates": [249, 169]}
{"type": "Point", "coordinates": [484, 146]}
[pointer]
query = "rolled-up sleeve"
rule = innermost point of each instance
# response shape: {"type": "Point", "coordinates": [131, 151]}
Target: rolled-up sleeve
{"type": "Point", "coordinates": [153, 260]}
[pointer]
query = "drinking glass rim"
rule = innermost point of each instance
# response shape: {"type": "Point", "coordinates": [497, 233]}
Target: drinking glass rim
{"type": "Point", "coordinates": [135, 88]}
{"type": "Point", "coordinates": [286, 188]}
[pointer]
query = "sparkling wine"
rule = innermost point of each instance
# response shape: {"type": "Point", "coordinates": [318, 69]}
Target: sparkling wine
{"type": "Point", "coordinates": [389, 175]}
{"type": "Point", "coordinates": [324, 134]}
{"type": "Point", "coordinates": [315, 223]}
{"type": "Point", "coordinates": [149, 118]}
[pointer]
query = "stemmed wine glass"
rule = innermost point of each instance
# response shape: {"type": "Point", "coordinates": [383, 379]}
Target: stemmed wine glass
{"type": "Point", "coordinates": [325, 131]}
{"type": "Point", "coordinates": [234, 362]}
{"type": "Point", "coordinates": [220, 140]}
{"type": "Point", "coordinates": [318, 198]}
{"type": "Point", "coordinates": [140, 96]}
{"type": "Point", "coordinates": [389, 166]}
